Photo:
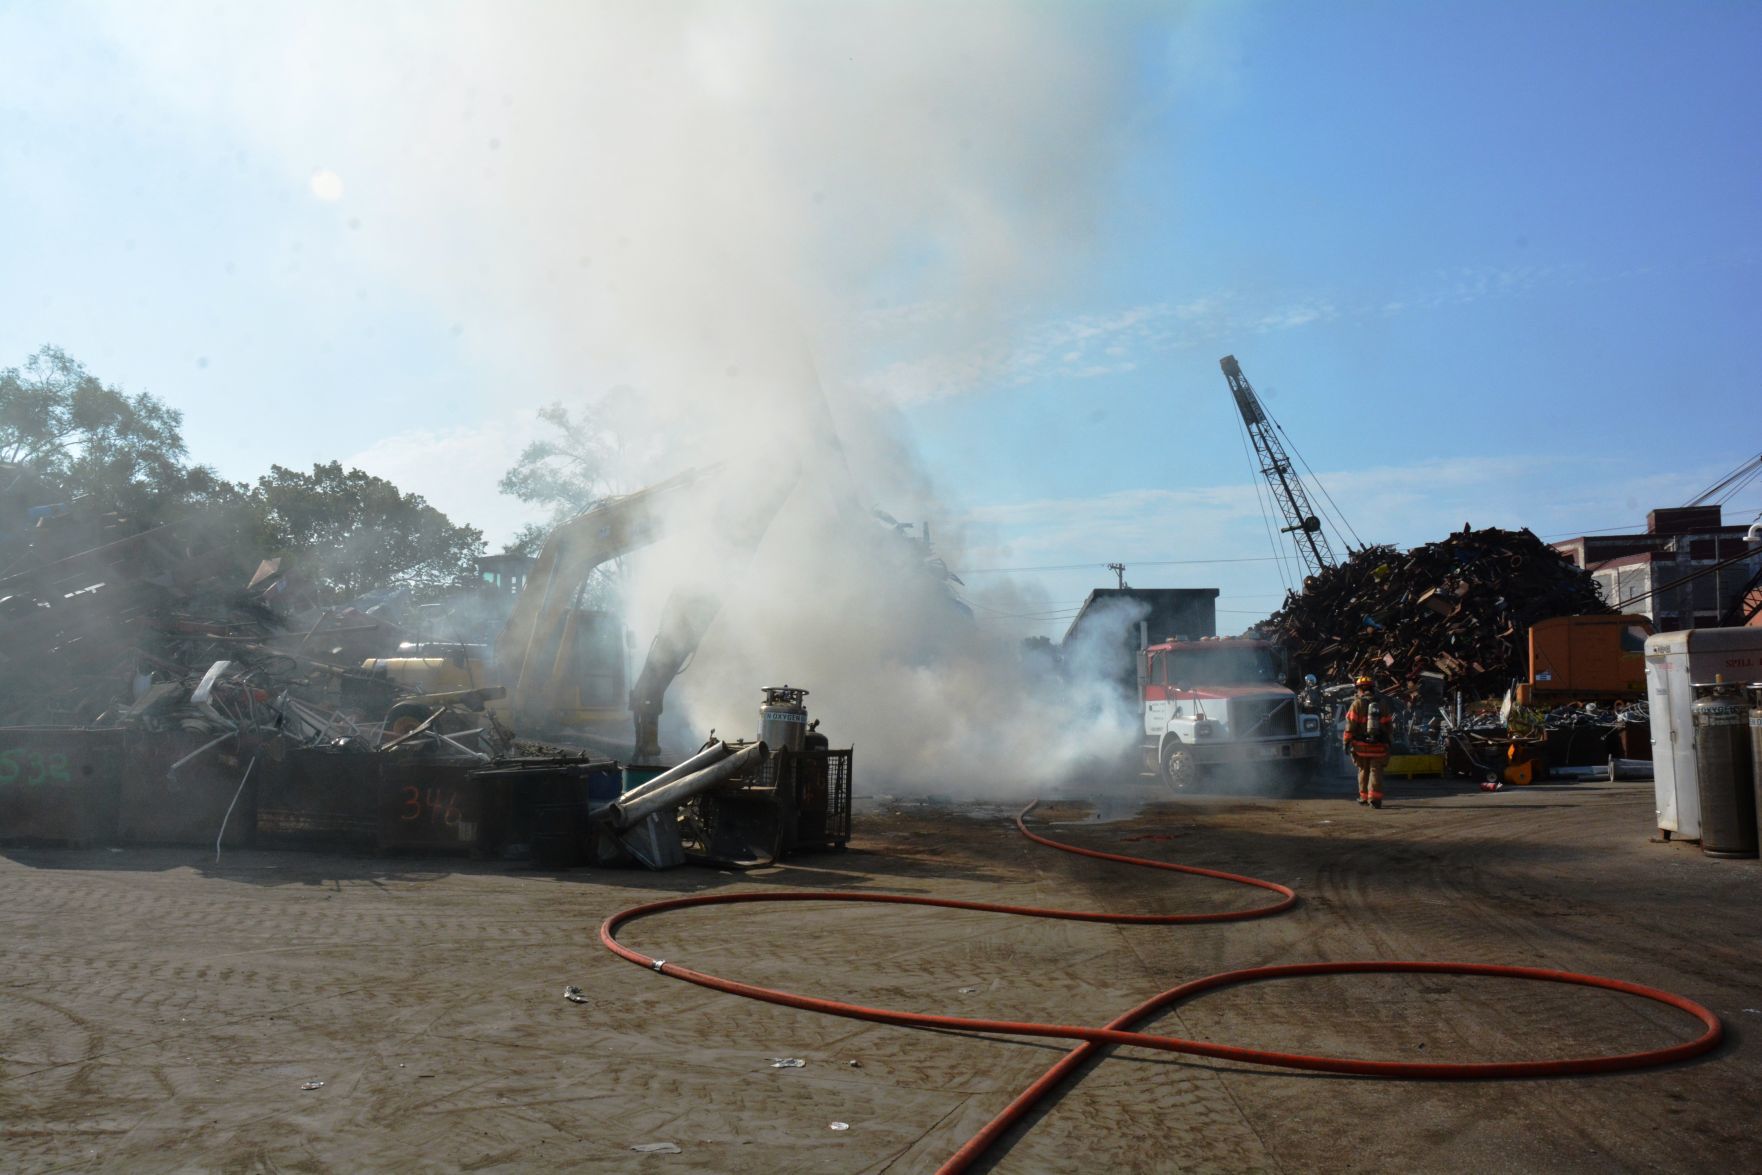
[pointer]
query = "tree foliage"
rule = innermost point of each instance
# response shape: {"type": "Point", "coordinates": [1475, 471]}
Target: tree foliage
{"type": "Point", "coordinates": [566, 473]}
{"type": "Point", "coordinates": [79, 437]}
{"type": "Point", "coordinates": [67, 436]}
{"type": "Point", "coordinates": [352, 532]}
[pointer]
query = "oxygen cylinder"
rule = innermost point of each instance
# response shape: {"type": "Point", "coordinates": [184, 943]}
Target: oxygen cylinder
{"type": "Point", "coordinates": [783, 719]}
{"type": "Point", "coordinates": [1722, 771]}
{"type": "Point", "coordinates": [1756, 751]}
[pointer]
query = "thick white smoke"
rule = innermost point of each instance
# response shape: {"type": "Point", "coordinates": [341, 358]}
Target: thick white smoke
{"type": "Point", "coordinates": [739, 210]}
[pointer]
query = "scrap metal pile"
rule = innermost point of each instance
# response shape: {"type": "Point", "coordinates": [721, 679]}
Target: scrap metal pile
{"type": "Point", "coordinates": [122, 633]}
{"type": "Point", "coordinates": [157, 691]}
{"type": "Point", "coordinates": [1458, 610]}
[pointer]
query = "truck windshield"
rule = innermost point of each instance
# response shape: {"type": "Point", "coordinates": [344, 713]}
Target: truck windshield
{"type": "Point", "coordinates": [1225, 666]}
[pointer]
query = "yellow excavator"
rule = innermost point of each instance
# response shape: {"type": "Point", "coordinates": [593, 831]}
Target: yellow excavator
{"type": "Point", "coordinates": [562, 666]}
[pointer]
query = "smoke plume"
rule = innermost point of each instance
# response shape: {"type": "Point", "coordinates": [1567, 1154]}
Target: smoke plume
{"type": "Point", "coordinates": [739, 211]}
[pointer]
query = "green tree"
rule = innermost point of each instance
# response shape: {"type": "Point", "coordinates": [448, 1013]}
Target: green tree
{"type": "Point", "coordinates": [570, 471]}
{"type": "Point", "coordinates": [351, 532]}
{"type": "Point", "coordinates": [79, 437]}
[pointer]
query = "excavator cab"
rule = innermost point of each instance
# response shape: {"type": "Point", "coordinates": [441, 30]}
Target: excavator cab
{"type": "Point", "coordinates": [589, 670]}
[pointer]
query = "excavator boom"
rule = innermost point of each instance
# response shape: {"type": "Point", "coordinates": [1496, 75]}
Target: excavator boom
{"type": "Point", "coordinates": [534, 646]}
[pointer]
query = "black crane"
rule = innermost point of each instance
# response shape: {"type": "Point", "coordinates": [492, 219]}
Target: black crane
{"type": "Point", "coordinates": [1301, 522]}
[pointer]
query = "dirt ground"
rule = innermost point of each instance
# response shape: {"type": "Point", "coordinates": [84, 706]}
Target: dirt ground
{"type": "Point", "coordinates": [161, 1011]}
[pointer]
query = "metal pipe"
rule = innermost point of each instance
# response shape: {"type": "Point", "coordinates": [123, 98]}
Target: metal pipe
{"type": "Point", "coordinates": [454, 739]}
{"type": "Point", "coordinates": [420, 728]}
{"type": "Point", "coordinates": [221, 835]}
{"type": "Point", "coordinates": [624, 812]}
{"type": "Point", "coordinates": [171, 771]}
{"type": "Point", "coordinates": [714, 753]}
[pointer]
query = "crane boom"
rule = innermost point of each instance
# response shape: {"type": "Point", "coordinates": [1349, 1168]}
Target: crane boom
{"type": "Point", "coordinates": [1300, 520]}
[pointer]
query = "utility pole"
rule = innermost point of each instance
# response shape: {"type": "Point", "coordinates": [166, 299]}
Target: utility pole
{"type": "Point", "coordinates": [1300, 521]}
{"type": "Point", "coordinates": [1119, 569]}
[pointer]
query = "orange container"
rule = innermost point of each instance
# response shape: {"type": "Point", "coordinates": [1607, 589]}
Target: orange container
{"type": "Point", "coordinates": [1586, 657]}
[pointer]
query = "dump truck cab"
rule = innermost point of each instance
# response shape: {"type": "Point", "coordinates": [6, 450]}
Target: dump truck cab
{"type": "Point", "coordinates": [1217, 701]}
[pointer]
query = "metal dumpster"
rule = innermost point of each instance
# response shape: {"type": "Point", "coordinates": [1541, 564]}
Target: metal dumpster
{"type": "Point", "coordinates": [352, 797]}
{"type": "Point", "coordinates": [59, 784]}
{"type": "Point", "coordinates": [539, 808]}
{"type": "Point", "coordinates": [187, 806]}
{"type": "Point", "coordinates": [319, 797]}
{"type": "Point", "coordinates": [428, 803]}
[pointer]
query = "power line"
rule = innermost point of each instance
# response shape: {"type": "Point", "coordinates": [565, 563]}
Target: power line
{"type": "Point", "coordinates": [1275, 558]}
{"type": "Point", "coordinates": [1057, 614]}
{"type": "Point", "coordinates": [1738, 558]}
{"type": "Point", "coordinates": [1724, 488]}
{"type": "Point", "coordinates": [1086, 566]}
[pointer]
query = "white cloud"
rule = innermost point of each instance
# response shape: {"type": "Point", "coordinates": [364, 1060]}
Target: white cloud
{"type": "Point", "coordinates": [1096, 344]}
{"type": "Point", "coordinates": [456, 469]}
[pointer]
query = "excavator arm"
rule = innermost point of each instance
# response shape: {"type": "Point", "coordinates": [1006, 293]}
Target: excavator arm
{"type": "Point", "coordinates": [535, 645]}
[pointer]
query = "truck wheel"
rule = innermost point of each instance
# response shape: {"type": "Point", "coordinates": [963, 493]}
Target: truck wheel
{"type": "Point", "coordinates": [1179, 770]}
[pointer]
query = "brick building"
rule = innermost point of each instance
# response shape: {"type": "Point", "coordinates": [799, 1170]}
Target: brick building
{"type": "Point", "coordinates": [1631, 568]}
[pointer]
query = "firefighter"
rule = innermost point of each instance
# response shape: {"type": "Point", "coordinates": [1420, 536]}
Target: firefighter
{"type": "Point", "coordinates": [1366, 738]}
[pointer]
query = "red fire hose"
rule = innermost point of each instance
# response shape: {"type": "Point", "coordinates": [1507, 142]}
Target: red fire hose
{"type": "Point", "coordinates": [1118, 1031]}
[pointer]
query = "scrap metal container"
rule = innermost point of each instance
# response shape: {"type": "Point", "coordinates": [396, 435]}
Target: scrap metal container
{"type": "Point", "coordinates": [319, 797]}
{"type": "Point", "coordinates": [354, 797]}
{"type": "Point", "coordinates": [59, 784]}
{"type": "Point", "coordinates": [1634, 739]}
{"type": "Point", "coordinates": [425, 803]}
{"type": "Point", "coordinates": [1586, 657]}
{"type": "Point", "coordinates": [541, 807]}
{"type": "Point", "coordinates": [156, 805]}
{"type": "Point", "coordinates": [1674, 661]}
{"type": "Point", "coordinates": [1722, 771]}
{"type": "Point", "coordinates": [1756, 752]}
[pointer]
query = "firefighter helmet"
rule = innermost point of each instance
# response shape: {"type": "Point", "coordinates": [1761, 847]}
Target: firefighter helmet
{"type": "Point", "coordinates": [1362, 683]}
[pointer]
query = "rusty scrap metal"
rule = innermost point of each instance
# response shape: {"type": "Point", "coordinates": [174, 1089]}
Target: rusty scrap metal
{"type": "Point", "coordinates": [1459, 610]}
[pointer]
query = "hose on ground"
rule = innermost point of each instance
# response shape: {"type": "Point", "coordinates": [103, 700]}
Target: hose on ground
{"type": "Point", "coordinates": [1119, 1030]}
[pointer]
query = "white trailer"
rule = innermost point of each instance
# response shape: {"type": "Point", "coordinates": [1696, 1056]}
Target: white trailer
{"type": "Point", "coordinates": [1676, 661]}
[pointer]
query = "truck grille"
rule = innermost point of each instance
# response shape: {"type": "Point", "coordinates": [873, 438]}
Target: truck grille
{"type": "Point", "coordinates": [1279, 714]}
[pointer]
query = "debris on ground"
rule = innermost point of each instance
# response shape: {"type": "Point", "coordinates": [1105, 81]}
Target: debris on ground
{"type": "Point", "coordinates": [655, 1148]}
{"type": "Point", "coordinates": [573, 995]}
{"type": "Point", "coordinates": [787, 1063]}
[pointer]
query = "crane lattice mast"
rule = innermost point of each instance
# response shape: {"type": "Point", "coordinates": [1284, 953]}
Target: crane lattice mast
{"type": "Point", "coordinates": [1300, 521]}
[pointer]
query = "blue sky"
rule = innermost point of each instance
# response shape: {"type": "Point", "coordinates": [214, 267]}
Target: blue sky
{"type": "Point", "coordinates": [1491, 263]}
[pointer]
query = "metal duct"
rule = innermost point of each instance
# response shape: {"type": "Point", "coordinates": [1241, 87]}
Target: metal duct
{"type": "Point", "coordinates": [630, 809]}
{"type": "Point", "coordinates": [710, 755]}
